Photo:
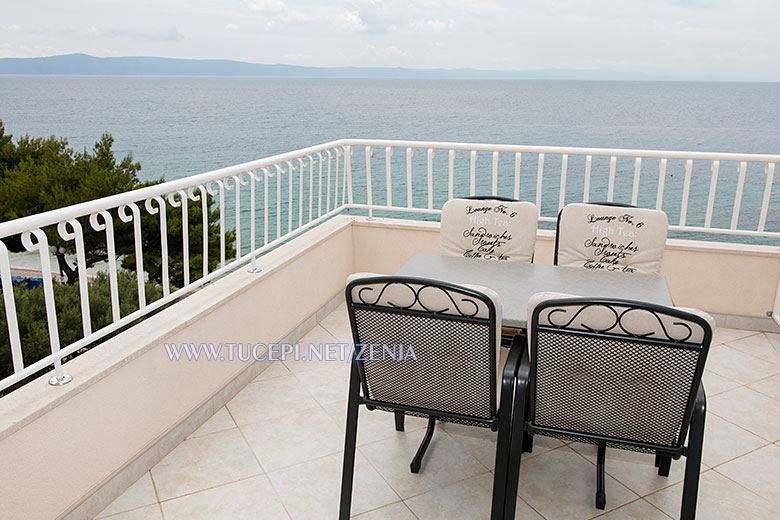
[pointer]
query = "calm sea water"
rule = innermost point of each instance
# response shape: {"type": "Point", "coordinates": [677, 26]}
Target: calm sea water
{"type": "Point", "coordinates": [182, 126]}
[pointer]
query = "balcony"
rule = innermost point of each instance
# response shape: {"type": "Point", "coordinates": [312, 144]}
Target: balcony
{"type": "Point", "coordinates": [137, 435]}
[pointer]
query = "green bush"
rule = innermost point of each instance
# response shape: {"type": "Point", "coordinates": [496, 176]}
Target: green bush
{"type": "Point", "coordinates": [33, 324]}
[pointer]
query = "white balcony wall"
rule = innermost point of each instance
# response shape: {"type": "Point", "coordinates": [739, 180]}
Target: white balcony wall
{"type": "Point", "coordinates": [68, 451]}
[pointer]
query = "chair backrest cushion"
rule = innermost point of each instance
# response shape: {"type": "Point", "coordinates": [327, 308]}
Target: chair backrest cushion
{"type": "Point", "coordinates": [489, 229]}
{"type": "Point", "coordinates": [615, 368]}
{"type": "Point", "coordinates": [451, 370]}
{"type": "Point", "coordinates": [611, 238]}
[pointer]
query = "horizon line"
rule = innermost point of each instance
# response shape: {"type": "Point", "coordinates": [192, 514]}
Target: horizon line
{"type": "Point", "coordinates": [377, 72]}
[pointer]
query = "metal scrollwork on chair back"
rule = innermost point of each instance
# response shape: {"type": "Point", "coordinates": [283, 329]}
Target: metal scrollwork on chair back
{"type": "Point", "coordinates": [421, 296]}
{"type": "Point", "coordinates": [622, 319]}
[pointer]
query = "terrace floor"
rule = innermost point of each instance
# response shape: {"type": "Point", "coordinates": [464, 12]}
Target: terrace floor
{"type": "Point", "coordinates": [275, 452]}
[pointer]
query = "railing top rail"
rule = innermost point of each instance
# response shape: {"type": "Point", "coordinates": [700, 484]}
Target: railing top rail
{"type": "Point", "coordinates": [618, 152]}
{"type": "Point", "coordinates": [85, 208]}
{"type": "Point", "coordinates": [55, 216]}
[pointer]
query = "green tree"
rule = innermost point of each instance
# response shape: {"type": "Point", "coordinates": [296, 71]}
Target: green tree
{"type": "Point", "coordinates": [42, 174]}
{"type": "Point", "coordinates": [32, 321]}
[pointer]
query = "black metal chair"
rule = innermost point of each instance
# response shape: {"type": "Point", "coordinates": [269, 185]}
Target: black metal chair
{"type": "Point", "coordinates": [429, 349]}
{"type": "Point", "coordinates": [614, 373]}
{"type": "Point", "coordinates": [610, 236]}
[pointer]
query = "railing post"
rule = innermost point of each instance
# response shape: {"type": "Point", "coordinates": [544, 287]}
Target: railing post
{"type": "Point", "coordinates": [369, 197]}
{"type": "Point", "coordinates": [348, 168]}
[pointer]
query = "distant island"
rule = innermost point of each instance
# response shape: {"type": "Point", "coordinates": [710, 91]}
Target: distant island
{"type": "Point", "coordinates": [84, 64]}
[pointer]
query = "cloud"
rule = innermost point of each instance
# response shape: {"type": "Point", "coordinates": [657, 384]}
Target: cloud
{"type": "Point", "coordinates": [374, 16]}
{"type": "Point", "coordinates": [231, 27]}
{"type": "Point", "coordinates": [23, 51]}
{"type": "Point", "coordinates": [268, 7]}
{"type": "Point", "coordinates": [432, 25]}
{"type": "Point", "coordinates": [11, 28]}
{"type": "Point", "coordinates": [277, 10]}
{"type": "Point", "coordinates": [697, 4]}
{"type": "Point", "coordinates": [350, 21]}
{"type": "Point", "coordinates": [171, 34]}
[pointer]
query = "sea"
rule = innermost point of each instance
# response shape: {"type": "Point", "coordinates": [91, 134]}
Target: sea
{"type": "Point", "coordinates": [180, 126]}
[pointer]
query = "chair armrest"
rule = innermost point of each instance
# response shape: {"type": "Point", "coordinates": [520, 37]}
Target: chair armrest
{"type": "Point", "coordinates": [524, 367]}
{"type": "Point", "coordinates": [700, 406]}
{"type": "Point", "coordinates": [513, 360]}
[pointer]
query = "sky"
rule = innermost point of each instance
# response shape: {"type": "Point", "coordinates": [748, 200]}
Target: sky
{"type": "Point", "coordinates": [732, 40]}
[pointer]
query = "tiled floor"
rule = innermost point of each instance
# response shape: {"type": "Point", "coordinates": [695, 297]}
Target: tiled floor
{"type": "Point", "coordinates": [275, 452]}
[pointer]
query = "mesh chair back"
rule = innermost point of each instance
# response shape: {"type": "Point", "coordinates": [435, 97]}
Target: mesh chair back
{"type": "Point", "coordinates": [449, 339]}
{"type": "Point", "coordinates": [611, 237]}
{"type": "Point", "coordinates": [615, 370]}
{"type": "Point", "coordinates": [489, 229]}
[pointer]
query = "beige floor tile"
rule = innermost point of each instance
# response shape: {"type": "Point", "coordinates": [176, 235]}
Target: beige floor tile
{"type": "Point", "coordinates": [478, 442]}
{"type": "Point", "coordinates": [637, 510]}
{"type": "Point", "coordinates": [724, 335]}
{"type": "Point", "coordinates": [337, 323]}
{"type": "Point", "coordinates": [740, 367]}
{"type": "Point", "coordinates": [294, 438]}
{"type": "Point", "coordinates": [274, 369]}
{"type": "Point", "coordinates": [719, 497]}
{"type": "Point", "coordinates": [562, 484]}
{"type": "Point", "coordinates": [467, 499]}
{"type": "Point", "coordinates": [715, 384]}
{"type": "Point", "coordinates": [769, 386]}
{"type": "Point", "coordinates": [312, 489]}
{"type": "Point", "coordinates": [373, 425]}
{"type": "Point", "coordinates": [526, 512]}
{"type": "Point", "coordinates": [445, 462]}
{"type": "Point", "coordinates": [204, 462]}
{"type": "Point", "coordinates": [301, 362]}
{"type": "Point", "coordinates": [634, 470]}
{"type": "Point", "coordinates": [328, 383]}
{"type": "Point", "coordinates": [139, 494]}
{"type": "Point", "coordinates": [749, 409]}
{"type": "Point", "coordinates": [143, 513]}
{"type": "Point", "coordinates": [543, 444]}
{"type": "Point", "coordinates": [760, 346]}
{"type": "Point", "coordinates": [218, 422]}
{"type": "Point", "coordinates": [724, 441]}
{"type": "Point", "coordinates": [243, 500]}
{"type": "Point", "coordinates": [758, 471]}
{"type": "Point", "coordinates": [397, 511]}
{"type": "Point", "coordinates": [481, 443]}
{"type": "Point", "coordinates": [269, 399]}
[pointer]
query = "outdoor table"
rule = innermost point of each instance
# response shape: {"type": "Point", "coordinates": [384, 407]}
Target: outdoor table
{"type": "Point", "coordinates": [516, 282]}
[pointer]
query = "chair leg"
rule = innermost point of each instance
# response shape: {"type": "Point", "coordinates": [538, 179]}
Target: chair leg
{"type": "Point", "coordinates": [601, 495]}
{"type": "Point", "coordinates": [417, 460]}
{"type": "Point", "coordinates": [399, 420]}
{"type": "Point", "coordinates": [518, 429]}
{"type": "Point", "coordinates": [664, 463]}
{"type": "Point", "coordinates": [528, 443]}
{"type": "Point", "coordinates": [693, 457]}
{"type": "Point", "coordinates": [503, 443]}
{"type": "Point", "coordinates": [350, 440]}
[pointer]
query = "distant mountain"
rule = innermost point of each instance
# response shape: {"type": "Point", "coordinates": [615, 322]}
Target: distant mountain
{"type": "Point", "coordinates": [84, 64]}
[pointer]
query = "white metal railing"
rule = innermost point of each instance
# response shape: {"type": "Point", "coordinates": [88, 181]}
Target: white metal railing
{"type": "Point", "coordinates": [314, 179]}
{"type": "Point", "coordinates": [713, 194]}
{"type": "Point", "coordinates": [709, 191]}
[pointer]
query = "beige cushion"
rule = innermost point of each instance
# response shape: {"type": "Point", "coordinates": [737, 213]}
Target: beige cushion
{"type": "Point", "coordinates": [489, 229]}
{"type": "Point", "coordinates": [612, 238]}
{"type": "Point", "coordinates": [639, 321]}
{"type": "Point", "coordinates": [432, 299]}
